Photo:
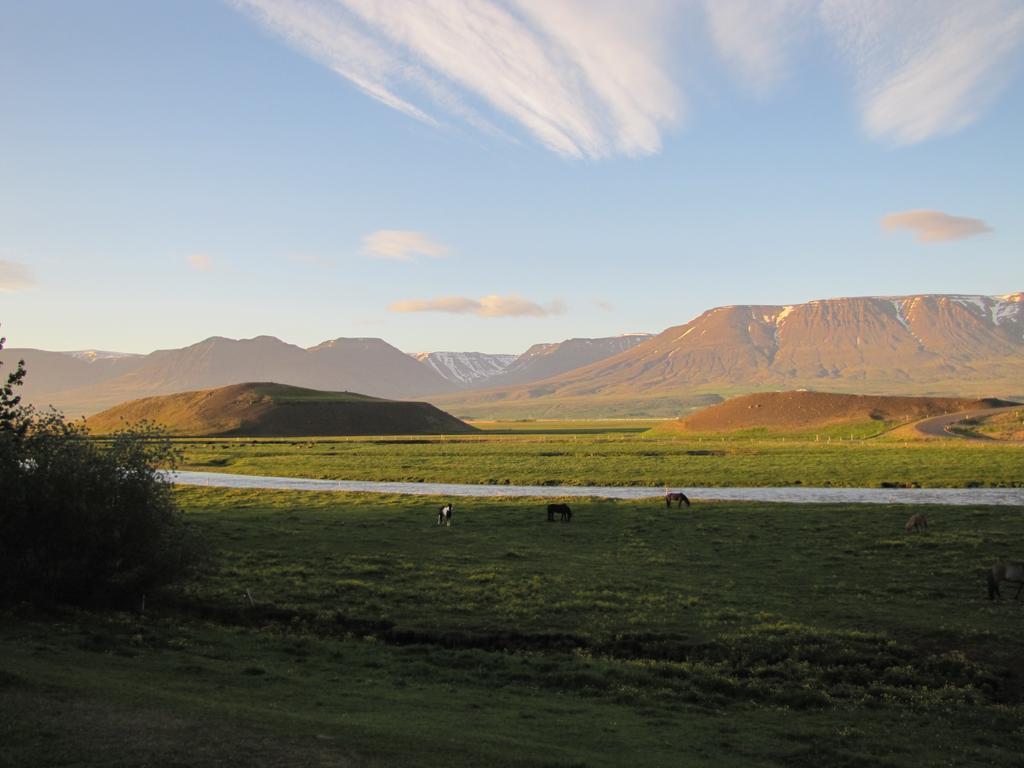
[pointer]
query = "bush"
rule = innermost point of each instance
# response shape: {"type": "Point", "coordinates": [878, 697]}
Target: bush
{"type": "Point", "coordinates": [85, 521]}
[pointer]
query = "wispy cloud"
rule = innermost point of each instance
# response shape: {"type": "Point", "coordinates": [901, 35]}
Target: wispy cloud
{"type": "Point", "coordinates": [597, 78]}
{"type": "Point", "coordinates": [755, 37]}
{"type": "Point", "coordinates": [935, 226]}
{"type": "Point", "coordinates": [402, 244]}
{"type": "Point", "coordinates": [15, 276]}
{"type": "Point", "coordinates": [200, 262]}
{"type": "Point", "coordinates": [925, 67]}
{"type": "Point", "coordinates": [607, 306]}
{"type": "Point", "coordinates": [488, 306]}
{"type": "Point", "coordinates": [587, 78]}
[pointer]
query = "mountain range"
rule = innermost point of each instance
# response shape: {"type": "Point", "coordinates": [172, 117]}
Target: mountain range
{"type": "Point", "coordinates": [962, 345]}
{"type": "Point", "coordinates": [84, 382]}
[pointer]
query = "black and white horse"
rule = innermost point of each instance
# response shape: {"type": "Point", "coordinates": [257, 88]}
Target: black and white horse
{"type": "Point", "coordinates": [562, 510]}
{"type": "Point", "coordinates": [444, 515]}
{"type": "Point", "coordinates": [680, 497]}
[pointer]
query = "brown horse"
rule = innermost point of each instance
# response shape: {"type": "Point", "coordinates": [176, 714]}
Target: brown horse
{"type": "Point", "coordinates": [680, 497]}
{"type": "Point", "coordinates": [1007, 570]}
{"type": "Point", "coordinates": [562, 510]}
{"type": "Point", "coordinates": [916, 524]}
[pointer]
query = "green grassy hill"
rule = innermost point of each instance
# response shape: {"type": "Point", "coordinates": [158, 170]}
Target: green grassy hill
{"type": "Point", "coordinates": [277, 410]}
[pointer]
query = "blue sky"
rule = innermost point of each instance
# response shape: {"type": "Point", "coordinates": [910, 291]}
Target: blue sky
{"type": "Point", "coordinates": [478, 175]}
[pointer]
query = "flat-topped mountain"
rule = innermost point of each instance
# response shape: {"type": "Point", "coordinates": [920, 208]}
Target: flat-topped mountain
{"type": "Point", "coordinates": [276, 410]}
{"type": "Point", "coordinates": [928, 345]}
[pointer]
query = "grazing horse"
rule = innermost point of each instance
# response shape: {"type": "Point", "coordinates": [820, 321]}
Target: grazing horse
{"type": "Point", "coordinates": [444, 515]}
{"type": "Point", "coordinates": [916, 524]}
{"type": "Point", "coordinates": [1008, 570]}
{"type": "Point", "coordinates": [565, 514]}
{"type": "Point", "coordinates": [680, 497]}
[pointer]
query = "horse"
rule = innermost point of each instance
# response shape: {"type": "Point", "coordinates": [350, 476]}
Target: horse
{"type": "Point", "coordinates": [444, 515]}
{"type": "Point", "coordinates": [565, 514]}
{"type": "Point", "coordinates": [680, 497]}
{"type": "Point", "coordinates": [916, 524]}
{"type": "Point", "coordinates": [1008, 570]}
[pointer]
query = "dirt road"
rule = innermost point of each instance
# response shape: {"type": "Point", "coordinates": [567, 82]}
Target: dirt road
{"type": "Point", "coordinates": [938, 426]}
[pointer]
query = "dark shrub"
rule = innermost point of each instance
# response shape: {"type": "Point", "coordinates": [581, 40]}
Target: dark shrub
{"type": "Point", "coordinates": [83, 521]}
{"type": "Point", "coordinates": [87, 521]}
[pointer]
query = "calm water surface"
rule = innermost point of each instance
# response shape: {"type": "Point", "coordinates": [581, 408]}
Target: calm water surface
{"type": "Point", "coordinates": [799, 495]}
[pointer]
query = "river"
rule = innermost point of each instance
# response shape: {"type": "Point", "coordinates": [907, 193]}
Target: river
{"type": "Point", "coordinates": [791, 495]}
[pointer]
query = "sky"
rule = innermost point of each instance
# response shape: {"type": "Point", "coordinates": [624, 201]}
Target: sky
{"type": "Point", "coordinates": [483, 175]}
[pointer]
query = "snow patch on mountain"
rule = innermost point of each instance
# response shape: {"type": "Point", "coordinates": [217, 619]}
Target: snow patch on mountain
{"type": "Point", "coordinates": [465, 367]}
{"type": "Point", "coordinates": [92, 355]}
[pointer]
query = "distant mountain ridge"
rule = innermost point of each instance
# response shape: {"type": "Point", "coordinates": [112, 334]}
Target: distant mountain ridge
{"type": "Point", "coordinates": [542, 361]}
{"type": "Point", "coordinates": [82, 386]}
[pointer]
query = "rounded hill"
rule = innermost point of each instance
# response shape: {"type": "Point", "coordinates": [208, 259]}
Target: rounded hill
{"type": "Point", "coordinates": [277, 410]}
{"type": "Point", "coordinates": [802, 412]}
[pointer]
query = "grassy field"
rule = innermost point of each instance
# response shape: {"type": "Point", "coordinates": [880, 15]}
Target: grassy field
{"type": "Point", "coordinates": [584, 453]}
{"type": "Point", "coordinates": [727, 634]}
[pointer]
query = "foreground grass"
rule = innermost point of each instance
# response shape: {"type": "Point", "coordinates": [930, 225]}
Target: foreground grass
{"type": "Point", "coordinates": [586, 458]}
{"type": "Point", "coordinates": [728, 634]}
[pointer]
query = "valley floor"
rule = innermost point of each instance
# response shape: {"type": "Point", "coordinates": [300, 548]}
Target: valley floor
{"type": "Point", "coordinates": [726, 634]}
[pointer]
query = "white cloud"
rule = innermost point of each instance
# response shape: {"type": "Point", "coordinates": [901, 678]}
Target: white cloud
{"type": "Point", "coordinates": [597, 78]}
{"type": "Point", "coordinates": [488, 306]}
{"type": "Point", "coordinates": [935, 226]}
{"type": "Point", "coordinates": [200, 262]}
{"type": "Point", "coordinates": [15, 276]}
{"type": "Point", "coordinates": [401, 244]}
{"type": "Point", "coordinates": [925, 67]}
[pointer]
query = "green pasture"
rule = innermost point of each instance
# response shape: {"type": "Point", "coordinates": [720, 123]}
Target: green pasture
{"type": "Point", "coordinates": [535, 457]}
{"type": "Point", "coordinates": [345, 629]}
{"type": "Point", "coordinates": [566, 426]}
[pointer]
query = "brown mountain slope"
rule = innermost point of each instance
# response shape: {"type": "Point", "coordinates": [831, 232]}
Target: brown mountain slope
{"type": "Point", "coordinates": [928, 345]}
{"type": "Point", "coordinates": [800, 411]}
{"type": "Point", "coordinates": [276, 410]}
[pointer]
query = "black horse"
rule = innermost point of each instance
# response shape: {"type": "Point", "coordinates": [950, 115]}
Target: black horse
{"type": "Point", "coordinates": [1008, 570]}
{"type": "Point", "coordinates": [680, 497]}
{"type": "Point", "coordinates": [562, 510]}
{"type": "Point", "coordinates": [444, 515]}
